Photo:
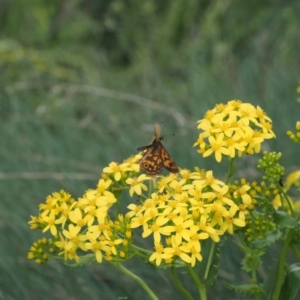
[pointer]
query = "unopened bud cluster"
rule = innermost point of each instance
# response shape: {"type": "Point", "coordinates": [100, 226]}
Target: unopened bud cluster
{"type": "Point", "coordinates": [269, 164]}
{"type": "Point", "coordinates": [258, 226]}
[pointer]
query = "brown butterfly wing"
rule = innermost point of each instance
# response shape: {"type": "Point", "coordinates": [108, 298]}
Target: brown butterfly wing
{"type": "Point", "coordinates": [151, 162]}
{"type": "Point", "coordinates": [168, 162]}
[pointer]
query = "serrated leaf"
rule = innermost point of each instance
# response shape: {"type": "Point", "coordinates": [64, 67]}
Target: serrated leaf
{"type": "Point", "coordinates": [284, 220]}
{"type": "Point", "coordinates": [269, 239]}
{"type": "Point", "coordinates": [291, 286]}
{"type": "Point", "coordinates": [251, 261]}
{"type": "Point", "coordinates": [247, 289]}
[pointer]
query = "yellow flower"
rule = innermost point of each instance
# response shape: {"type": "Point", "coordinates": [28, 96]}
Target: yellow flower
{"type": "Point", "coordinates": [140, 220]}
{"type": "Point", "coordinates": [102, 186]}
{"type": "Point", "coordinates": [293, 178]}
{"type": "Point", "coordinates": [63, 211]}
{"type": "Point", "coordinates": [50, 221]}
{"type": "Point", "coordinates": [220, 213]}
{"type": "Point", "coordinates": [72, 255]}
{"type": "Point", "coordinates": [55, 201]}
{"type": "Point", "coordinates": [181, 229]}
{"type": "Point", "coordinates": [116, 169]}
{"type": "Point", "coordinates": [217, 146]}
{"type": "Point", "coordinates": [185, 173]}
{"type": "Point", "coordinates": [207, 228]}
{"type": "Point", "coordinates": [208, 180]}
{"type": "Point", "coordinates": [235, 143]}
{"type": "Point", "coordinates": [69, 247]}
{"type": "Point", "coordinates": [35, 222]}
{"type": "Point", "coordinates": [102, 228]}
{"type": "Point", "coordinates": [51, 203]}
{"type": "Point", "coordinates": [90, 199]}
{"type": "Point", "coordinates": [159, 254]}
{"type": "Point", "coordinates": [74, 238]}
{"type": "Point", "coordinates": [230, 221]}
{"type": "Point", "coordinates": [243, 193]}
{"type": "Point", "coordinates": [195, 255]}
{"type": "Point", "coordinates": [163, 183]}
{"type": "Point", "coordinates": [195, 237]}
{"type": "Point", "coordinates": [178, 186]}
{"type": "Point", "coordinates": [174, 207]}
{"type": "Point", "coordinates": [94, 199]}
{"type": "Point", "coordinates": [242, 212]}
{"type": "Point", "coordinates": [137, 184]}
{"type": "Point", "coordinates": [133, 163]}
{"type": "Point", "coordinates": [157, 229]}
{"type": "Point", "coordinates": [220, 194]}
{"type": "Point", "coordinates": [198, 205]}
{"type": "Point", "coordinates": [134, 210]}
{"type": "Point", "coordinates": [96, 245]}
{"type": "Point", "coordinates": [77, 218]}
{"type": "Point", "coordinates": [61, 244]}
{"type": "Point", "coordinates": [178, 250]}
{"type": "Point", "coordinates": [112, 245]}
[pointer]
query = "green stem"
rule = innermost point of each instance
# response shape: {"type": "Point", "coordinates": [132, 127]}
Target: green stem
{"type": "Point", "coordinates": [280, 277]}
{"type": "Point", "coordinates": [197, 281]}
{"type": "Point", "coordinates": [283, 193]}
{"type": "Point", "coordinates": [137, 279]}
{"type": "Point", "coordinates": [254, 279]}
{"type": "Point", "coordinates": [145, 254]}
{"type": "Point", "coordinates": [118, 197]}
{"type": "Point", "coordinates": [210, 257]}
{"type": "Point", "coordinates": [295, 251]}
{"type": "Point", "coordinates": [179, 285]}
{"type": "Point", "coordinates": [137, 248]}
{"type": "Point", "coordinates": [150, 187]}
{"type": "Point", "coordinates": [231, 170]}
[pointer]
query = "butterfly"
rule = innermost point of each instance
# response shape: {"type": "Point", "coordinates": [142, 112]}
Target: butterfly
{"type": "Point", "coordinates": [156, 157]}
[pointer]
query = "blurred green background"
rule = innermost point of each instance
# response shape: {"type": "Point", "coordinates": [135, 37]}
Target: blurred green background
{"type": "Point", "coordinates": [82, 84]}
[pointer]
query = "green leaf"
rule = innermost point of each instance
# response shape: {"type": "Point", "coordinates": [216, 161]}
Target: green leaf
{"type": "Point", "coordinates": [291, 285]}
{"type": "Point", "coordinates": [268, 206]}
{"type": "Point", "coordinates": [252, 261]}
{"type": "Point", "coordinates": [248, 289]}
{"type": "Point", "coordinates": [284, 220]}
{"type": "Point", "coordinates": [269, 239]}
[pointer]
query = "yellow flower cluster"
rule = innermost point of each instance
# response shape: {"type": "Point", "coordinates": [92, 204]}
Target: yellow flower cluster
{"type": "Point", "coordinates": [82, 224]}
{"type": "Point", "coordinates": [183, 211]}
{"type": "Point", "coordinates": [233, 128]}
{"type": "Point", "coordinates": [183, 208]}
